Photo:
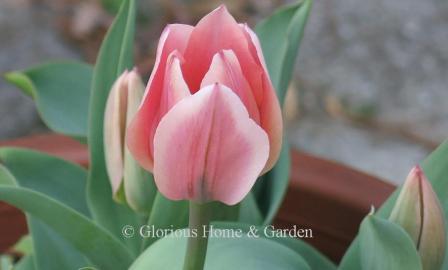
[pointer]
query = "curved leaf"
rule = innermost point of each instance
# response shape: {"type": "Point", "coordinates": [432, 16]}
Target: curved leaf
{"type": "Point", "coordinates": [385, 245]}
{"type": "Point", "coordinates": [280, 37]}
{"type": "Point", "coordinates": [314, 258]}
{"type": "Point", "coordinates": [60, 180]}
{"type": "Point", "coordinates": [101, 248]}
{"type": "Point", "coordinates": [352, 257]}
{"type": "Point", "coordinates": [249, 212]}
{"type": "Point", "coordinates": [24, 245]}
{"type": "Point", "coordinates": [26, 263]}
{"type": "Point", "coordinates": [241, 253]}
{"type": "Point", "coordinates": [6, 178]}
{"type": "Point", "coordinates": [167, 214]}
{"type": "Point", "coordinates": [61, 91]}
{"type": "Point", "coordinates": [6, 261]}
{"type": "Point", "coordinates": [52, 176]}
{"type": "Point", "coordinates": [115, 56]}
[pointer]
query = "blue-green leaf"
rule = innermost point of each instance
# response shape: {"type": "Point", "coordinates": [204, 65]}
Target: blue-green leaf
{"type": "Point", "coordinates": [167, 214]}
{"type": "Point", "coordinates": [116, 55]}
{"type": "Point", "coordinates": [240, 253]}
{"type": "Point", "coordinates": [314, 259]}
{"type": "Point", "coordinates": [24, 245]}
{"type": "Point", "coordinates": [61, 91]}
{"type": "Point", "coordinates": [101, 248]}
{"type": "Point", "coordinates": [249, 212]}
{"type": "Point", "coordinates": [26, 263]}
{"type": "Point", "coordinates": [280, 36]}
{"type": "Point", "coordinates": [57, 179]}
{"type": "Point", "coordinates": [6, 261]}
{"type": "Point", "coordinates": [385, 245]}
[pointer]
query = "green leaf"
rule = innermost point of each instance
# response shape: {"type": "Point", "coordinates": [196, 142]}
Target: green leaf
{"type": "Point", "coordinates": [115, 56]}
{"type": "Point", "coordinates": [280, 37]}
{"type": "Point", "coordinates": [57, 204]}
{"type": "Point", "coordinates": [60, 180]}
{"type": "Point", "coordinates": [249, 212]}
{"type": "Point", "coordinates": [24, 245]}
{"type": "Point", "coordinates": [112, 6]}
{"type": "Point", "coordinates": [222, 212]}
{"type": "Point", "coordinates": [240, 253]}
{"type": "Point", "coordinates": [61, 91]}
{"type": "Point", "coordinates": [435, 167]}
{"type": "Point", "coordinates": [6, 178]}
{"type": "Point", "coordinates": [385, 245]}
{"type": "Point", "coordinates": [52, 176]}
{"type": "Point", "coordinates": [26, 263]}
{"type": "Point", "coordinates": [271, 188]}
{"type": "Point", "coordinates": [352, 257]}
{"type": "Point", "coordinates": [166, 214]}
{"type": "Point", "coordinates": [5, 262]}
{"type": "Point", "coordinates": [315, 260]}
{"type": "Point", "coordinates": [100, 247]}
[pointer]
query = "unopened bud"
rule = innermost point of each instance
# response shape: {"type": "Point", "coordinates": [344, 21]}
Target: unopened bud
{"type": "Point", "coordinates": [418, 211]}
{"type": "Point", "coordinates": [130, 183]}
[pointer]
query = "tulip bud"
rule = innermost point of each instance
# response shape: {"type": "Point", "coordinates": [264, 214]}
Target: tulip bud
{"type": "Point", "coordinates": [418, 211]}
{"type": "Point", "coordinates": [130, 183]}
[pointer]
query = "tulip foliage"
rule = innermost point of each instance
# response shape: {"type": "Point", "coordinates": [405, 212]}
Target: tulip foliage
{"type": "Point", "coordinates": [202, 144]}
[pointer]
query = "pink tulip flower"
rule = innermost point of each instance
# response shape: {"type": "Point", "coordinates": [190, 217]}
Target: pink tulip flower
{"type": "Point", "coordinates": [210, 122]}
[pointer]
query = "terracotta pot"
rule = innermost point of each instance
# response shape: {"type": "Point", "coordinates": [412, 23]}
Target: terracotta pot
{"type": "Point", "coordinates": [331, 199]}
{"type": "Point", "coordinates": [327, 197]}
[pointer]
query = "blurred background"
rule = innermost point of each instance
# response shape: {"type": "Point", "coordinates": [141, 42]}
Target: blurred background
{"type": "Point", "coordinates": [370, 88]}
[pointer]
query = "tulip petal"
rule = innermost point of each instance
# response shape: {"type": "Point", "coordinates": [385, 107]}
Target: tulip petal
{"type": "Point", "coordinates": [207, 148]}
{"type": "Point", "coordinates": [269, 106]}
{"type": "Point", "coordinates": [271, 121]}
{"type": "Point", "coordinates": [174, 85]}
{"type": "Point", "coordinates": [225, 69]}
{"type": "Point", "coordinates": [408, 208]}
{"type": "Point", "coordinates": [432, 239]}
{"type": "Point", "coordinates": [142, 128]}
{"type": "Point", "coordinates": [114, 130]}
{"type": "Point", "coordinates": [254, 46]}
{"type": "Point", "coordinates": [218, 31]}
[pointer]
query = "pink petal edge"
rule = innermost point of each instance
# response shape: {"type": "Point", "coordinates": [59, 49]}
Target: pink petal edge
{"type": "Point", "coordinates": [142, 127]}
{"type": "Point", "coordinates": [269, 106]}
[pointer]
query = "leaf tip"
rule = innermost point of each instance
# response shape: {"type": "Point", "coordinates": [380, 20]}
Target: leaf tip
{"type": "Point", "coordinates": [20, 80]}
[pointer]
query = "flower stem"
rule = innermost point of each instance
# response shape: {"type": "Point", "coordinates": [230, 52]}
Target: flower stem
{"type": "Point", "coordinates": [197, 243]}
